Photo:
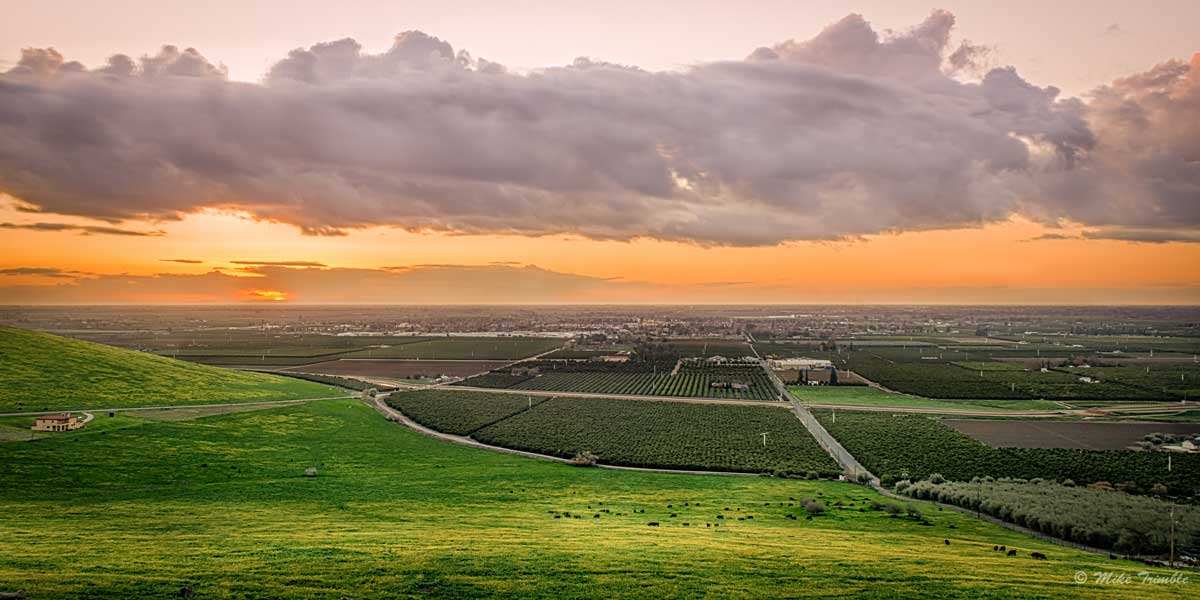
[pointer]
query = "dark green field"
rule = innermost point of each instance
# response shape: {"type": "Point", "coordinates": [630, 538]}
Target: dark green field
{"type": "Point", "coordinates": [916, 446]}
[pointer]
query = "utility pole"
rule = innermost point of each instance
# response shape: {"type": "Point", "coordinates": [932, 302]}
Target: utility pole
{"type": "Point", "coordinates": [1171, 563]}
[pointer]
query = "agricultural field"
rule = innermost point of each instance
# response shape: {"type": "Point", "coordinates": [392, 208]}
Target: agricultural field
{"type": "Point", "coordinates": [907, 446]}
{"type": "Point", "coordinates": [1091, 435]}
{"type": "Point", "coordinates": [219, 504]}
{"type": "Point", "coordinates": [403, 369]}
{"type": "Point", "coordinates": [1123, 523]}
{"type": "Point", "coordinates": [459, 413]}
{"type": "Point", "coordinates": [464, 348]}
{"type": "Point", "coordinates": [688, 383]}
{"type": "Point", "coordinates": [665, 435]}
{"type": "Point", "coordinates": [43, 372]}
{"type": "Point", "coordinates": [706, 347]}
{"type": "Point", "coordinates": [935, 374]}
{"type": "Point", "coordinates": [861, 395]}
{"type": "Point", "coordinates": [585, 352]}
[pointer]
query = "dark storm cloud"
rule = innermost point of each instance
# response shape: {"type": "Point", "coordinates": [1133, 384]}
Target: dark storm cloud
{"type": "Point", "coordinates": [83, 229]}
{"type": "Point", "coordinates": [846, 134]}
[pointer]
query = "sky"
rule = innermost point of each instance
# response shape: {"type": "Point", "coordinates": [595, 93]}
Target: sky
{"type": "Point", "coordinates": [560, 152]}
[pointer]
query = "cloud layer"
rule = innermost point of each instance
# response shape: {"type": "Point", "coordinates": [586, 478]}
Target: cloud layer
{"type": "Point", "coordinates": [845, 134]}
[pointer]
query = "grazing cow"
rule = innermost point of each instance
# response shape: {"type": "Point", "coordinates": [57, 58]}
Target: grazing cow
{"type": "Point", "coordinates": [1011, 553]}
{"type": "Point", "coordinates": [652, 524]}
{"type": "Point", "coordinates": [1003, 549]}
{"type": "Point", "coordinates": [995, 548]}
{"type": "Point", "coordinates": [947, 542]}
{"type": "Point", "coordinates": [1038, 555]}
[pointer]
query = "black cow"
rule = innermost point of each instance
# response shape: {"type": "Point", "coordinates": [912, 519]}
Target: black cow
{"type": "Point", "coordinates": [1012, 553]}
{"type": "Point", "coordinates": [1038, 555]}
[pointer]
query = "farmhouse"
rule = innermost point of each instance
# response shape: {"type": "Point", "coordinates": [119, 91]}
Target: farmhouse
{"type": "Point", "coordinates": [63, 422]}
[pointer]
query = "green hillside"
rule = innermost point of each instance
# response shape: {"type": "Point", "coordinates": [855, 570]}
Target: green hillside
{"type": "Point", "coordinates": [39, 371]}
{"type": "Point", "coordinates": [221, 504]}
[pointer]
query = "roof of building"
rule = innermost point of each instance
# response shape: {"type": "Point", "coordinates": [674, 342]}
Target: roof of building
{"type": "Point", "coordinates": [62, 417]}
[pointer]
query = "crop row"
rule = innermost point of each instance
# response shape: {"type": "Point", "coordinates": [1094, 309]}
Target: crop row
{"type": "Point", "coordinates": [916, 446]}
{"type": "Point", "coordinates": [687, 383]}
{"type": "Point", "coordinates": [665, 435]}
{"type": "Point", "coordinates": [459, 413]}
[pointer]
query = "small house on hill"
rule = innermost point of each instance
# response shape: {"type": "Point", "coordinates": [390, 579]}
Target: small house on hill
{"type": "Point", "coordinates": [62, 422]}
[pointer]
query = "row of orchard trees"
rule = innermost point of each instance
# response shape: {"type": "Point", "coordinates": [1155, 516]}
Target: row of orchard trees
{"type": "Point", "coordinates": [1101, 518]}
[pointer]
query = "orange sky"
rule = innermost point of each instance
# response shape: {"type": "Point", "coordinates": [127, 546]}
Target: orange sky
{"type": "Point", "coordinates": [996, 263]}
{"type": "Point", "coordinates": [815, 122]}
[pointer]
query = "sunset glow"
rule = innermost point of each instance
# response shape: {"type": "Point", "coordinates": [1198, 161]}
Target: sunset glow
{"type": "Point", "coordinates": [950, 178]}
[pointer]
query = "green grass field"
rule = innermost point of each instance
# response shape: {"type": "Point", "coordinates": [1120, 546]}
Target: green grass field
{"type": "Point", "coordinates": [39, 372]}
{"type": "Point", "coordinates": [861, 395]}
{"type": "Point", "coordinates": [220, 503]}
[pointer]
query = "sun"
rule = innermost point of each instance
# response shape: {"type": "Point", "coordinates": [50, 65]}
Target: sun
{"type": "Point", "coordinates": [268, 295]}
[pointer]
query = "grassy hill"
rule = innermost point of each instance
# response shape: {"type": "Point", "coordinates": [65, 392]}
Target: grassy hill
{"type": "Point", "coordinates": [221, 504]}
{"type": "Point", "coordinates": [39, 371]}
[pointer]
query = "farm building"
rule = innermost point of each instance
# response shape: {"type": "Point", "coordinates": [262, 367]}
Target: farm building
{"type": "Point", "coordinates": [63, 422]}
{"type": "Point", "coordinates": [784, 364]}
{"type": "Point", "coordinates": [619, 358]}
{"type": "Point", "coordinates": [518, 371]}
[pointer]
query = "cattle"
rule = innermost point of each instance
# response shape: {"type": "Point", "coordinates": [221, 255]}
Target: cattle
{"type": "Point", "coordinates": [947, 542]}
{"type": "Point", "coordinates": [1038, 555]}
{"type": "Point", "coordinates": [652, 524]}
{"type": "Point", "coordinates": [995, 548]}
{"type": "Point", "coordinates": [1003, 549]}
{"type": "Point", "coordinates": [1011, 553]}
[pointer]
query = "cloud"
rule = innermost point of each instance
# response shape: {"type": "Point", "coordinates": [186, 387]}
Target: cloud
{"type": "Point", "coordinates": [42, 272]}
{"type": "Point", "coordinates": [82, 229]}
{"type": "Point", "coordinates": [1151, 236]}
{"type": "Point", "coordinates": [432, 284]}
{"type": "Point", "coordinates": [846, 134]}
{"type": "Point", "coordinates": [278, 263]}
{"type": "Point", "coordinates": [1114, 29]}
{"type": "Point", "coordinates": [186, 261]}
{"type": "Point", "coordinates": [1052, 236]}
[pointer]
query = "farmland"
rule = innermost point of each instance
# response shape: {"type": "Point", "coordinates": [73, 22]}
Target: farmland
{"type": "Point", "coordinates": [859, 395]}
{"type": "Point", "coordinates": [463, 348]}
{"type": "Point", "coordinates": [913, 446]}
{"type": "Point", "coordinates": [1091, 435]}
{"type": "Point", "coordinates": [40, 372]}
{"type": "Point", "coordinates": [219, 504]}
{"type": "Point", "coordinates": [459, 413]}
{"type": "Point", "coordinates": [1099, 518]}
{"type": "Point", "coordinates": [691, 383]}
{"type": "Point", "coordinates": [403, 369]}
{"type": "Point", "coordinates": [949, 374]}
{"type": "Point", "coordinates": [665, 435]}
